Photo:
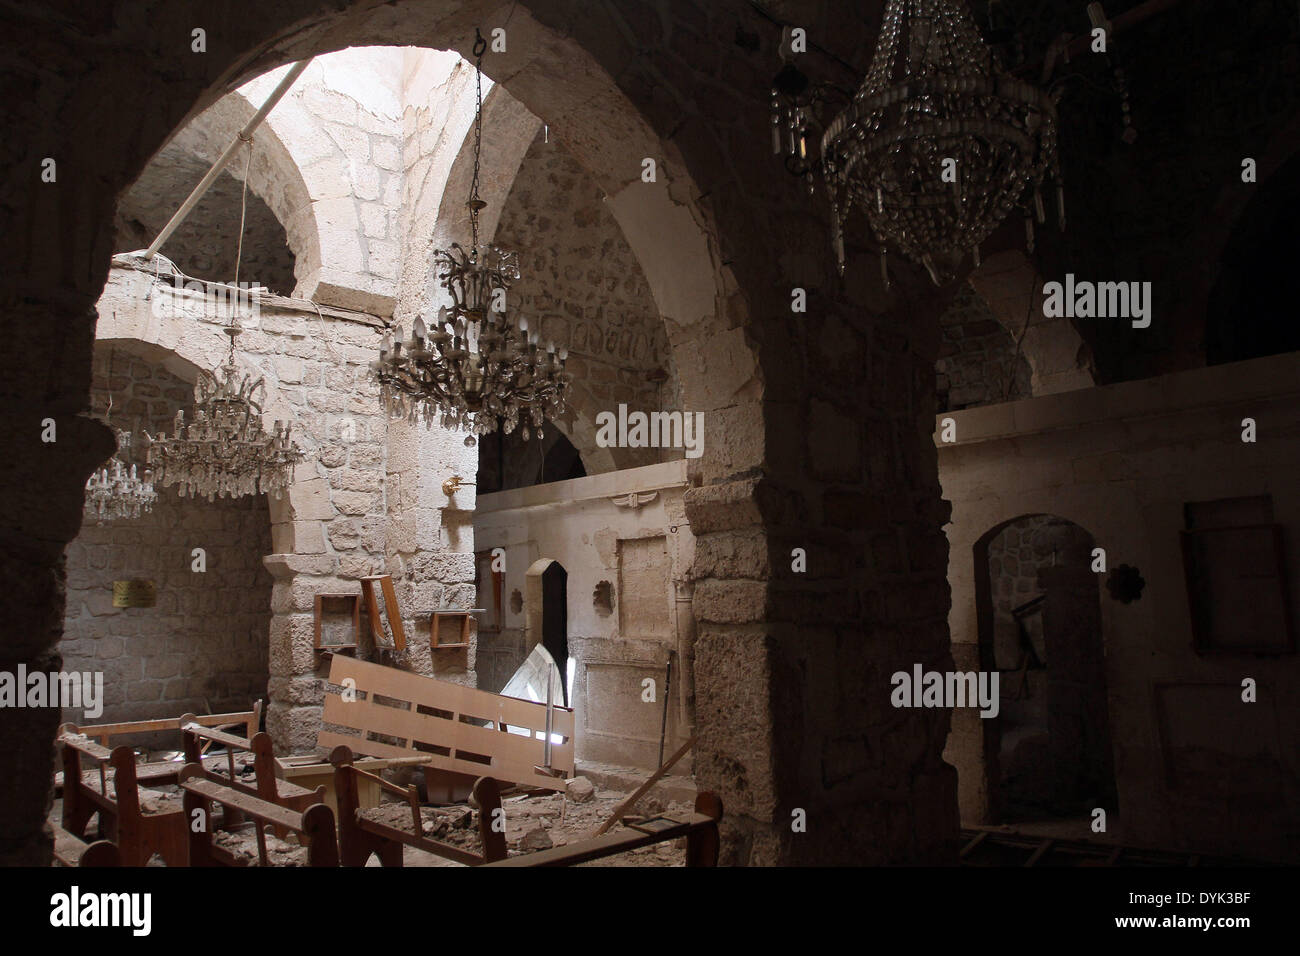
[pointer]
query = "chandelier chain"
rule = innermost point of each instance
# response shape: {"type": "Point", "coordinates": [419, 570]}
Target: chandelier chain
{"type": "Point", "coordinates": [480, 46]}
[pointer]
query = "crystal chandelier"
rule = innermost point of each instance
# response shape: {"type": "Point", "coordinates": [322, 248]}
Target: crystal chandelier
{"type": "Point", "coordinates": [224, 452]}
{"type": "Point", "coordinates": [117, 491]}
{"type": "Point", "coordinates": [939, 144]}
{"type": "Point", "coordinates": [472, 366]}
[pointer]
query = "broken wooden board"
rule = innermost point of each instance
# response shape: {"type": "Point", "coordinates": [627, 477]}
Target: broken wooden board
{"type": "Point", "coordinates": [460, 731]}
{"type": "Point", "coordinates": [392, 613]}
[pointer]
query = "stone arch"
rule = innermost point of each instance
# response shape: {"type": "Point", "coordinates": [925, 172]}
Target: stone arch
{"type": "Point", "coordinates": [130, 314]}
{"type": "Point", "coordinates": [1220, 223]}
{"type": "Point", "coordinates": [973, 742]}
{"type": "Point", "coordinates": [1253, 285]}
{"type": "Point", "coordinates": [275, 174]}
{"type": "Point", "coordinates": [1059, 358]}
{"type": "Point", "coordinates": [439, 210]}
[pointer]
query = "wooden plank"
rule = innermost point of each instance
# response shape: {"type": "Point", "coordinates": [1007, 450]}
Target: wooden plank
{"type": "Point", "coordinates": [411, 726]}
{"type": "Point", "coordinates": [606, 845]}
{"type": "Point", "coordinates": [255, 807]}
{"type": "Point", "coordinates": [68, 848]}
{"type": "Point", "coordinates": [229, 741]}
{"type": "Point", "coordinates": [467, 701]}
{"type": "Point", "coordinates": [428, 844]}
{"type": "Point", "coordinates": [329, 739]}
{"type": "Point", "coordinates": [1040, 852]}
{"type": "Point", "coordinates": [393, 613]}
{"type": "Point", "coordinates": [372, 610]}
{"type": "Point", "coordinates": [979, 838]}
{"type": "Point", "coordinates": [430, 692]}
{"type": "Point", "coordinates": [87, 747]}
{"type": "Point", "coordinates": [641, 791]}
{"type": "Point", "coordinates": [102, 731]}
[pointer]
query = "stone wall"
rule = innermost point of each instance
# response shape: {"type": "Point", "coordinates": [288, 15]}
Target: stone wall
{"type": "Point", "coordinates": [979, 363]}
{"type": "Point", "coordinates": [334, 523]}
{"type": "Point", "coordinates": [1196, 767]}
{"type": "Point", "coordinates": [203, 647]}
{"type": "Point", "coordinates": [629, 593]}
{"type": "Point", "coordinates": [583, 283]}
{"type": "Point", "coordinates": [1016, 555]}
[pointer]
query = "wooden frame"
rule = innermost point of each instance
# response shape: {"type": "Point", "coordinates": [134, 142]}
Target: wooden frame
{"type": "Point", "coordinates": [266, 785]}
{"type": "Point", "coordinates": [102, 733]}
{"type": "Point", "coordinates": [138, 835]}
{"type": "Point", "coordinates": [328, 604]}
{"type": "Point", "coordinates": [435, 629]}
{"type": "Point", "coordinates": [162, 772]}
{"type": "Point", "coordinates": [391, 611]}
{"type": "Point", "coordinates": [359, 837]}
{"type": "Point", "coordinates": [72, 850]}
{"type": "Point", "coordinates": [314, 825]}
{"type": "Point", "coordinates": [453, 737]}
{"type": "Point", "coordinates": [1204, 641]}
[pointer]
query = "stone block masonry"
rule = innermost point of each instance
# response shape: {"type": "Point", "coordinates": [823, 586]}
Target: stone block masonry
{"type": "Point", "coordinates": [203, 647]}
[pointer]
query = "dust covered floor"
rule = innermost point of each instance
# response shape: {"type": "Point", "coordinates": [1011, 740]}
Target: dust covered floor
{"type": "Point", "coordinates": [533, 822]}
{"type": "Point", "coordinates": [539, 822]}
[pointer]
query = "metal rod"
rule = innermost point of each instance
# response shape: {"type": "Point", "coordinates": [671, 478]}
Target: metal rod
{"type": "Point", "coordinates": [663, 723]}
{"type": "Point", "coordinates": [204, 184]}
{"type": "Point", "coordinates": [547, 751]}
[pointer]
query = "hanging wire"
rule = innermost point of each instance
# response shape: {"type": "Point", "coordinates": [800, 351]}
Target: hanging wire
{"type": "Point", "coordinates": [239, 248]}
{"type": "Point", "coordinates": [243, 205]}
{"type": "Point", "coordinates": [480, 47]}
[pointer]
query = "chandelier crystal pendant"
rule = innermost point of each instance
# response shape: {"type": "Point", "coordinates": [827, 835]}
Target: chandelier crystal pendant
{"type": "Point", "coordinates": [116, 490]}
{"type": "Point", "coordinates": [471, 365]}
{"type": "Point", "coordinates": [939, 144]}
{"type": "Point", "coordinates": [225, 451]}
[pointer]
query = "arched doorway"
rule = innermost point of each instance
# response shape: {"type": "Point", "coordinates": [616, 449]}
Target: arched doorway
{"type": "Point", "coordinates": [1048, 752]}
{"type": "Point", "coordinates": [546, 608]}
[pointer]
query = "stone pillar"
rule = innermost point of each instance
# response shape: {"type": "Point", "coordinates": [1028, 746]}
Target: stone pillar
{"type": "Point", "coordinates": [44, 378]}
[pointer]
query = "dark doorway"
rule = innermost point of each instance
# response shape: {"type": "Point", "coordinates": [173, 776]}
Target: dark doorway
{"type": "Point", "coordinates": [1040, 628]}
{"type": "Point", "coordinates": [555, 620]}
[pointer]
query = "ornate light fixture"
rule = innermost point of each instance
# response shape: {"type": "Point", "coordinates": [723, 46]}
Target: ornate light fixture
{"type": "Point", "coordinates": [938, 145]}
{"type": "Point", "coordinates": [116, 491]}
{"type": "Point", "coordinates": [224, 452]}
{"type": "Point", "coordinates": [472, 366]}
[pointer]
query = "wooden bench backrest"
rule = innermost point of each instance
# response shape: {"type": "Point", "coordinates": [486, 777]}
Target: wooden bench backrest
{"type": "Point", "coordinates": [250, 720]}
{"type": "Point", "coordinates": [316, 823]}
{"type": "Point", "coordinates": [461, 747]}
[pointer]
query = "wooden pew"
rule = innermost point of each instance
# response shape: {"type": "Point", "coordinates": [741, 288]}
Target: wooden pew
{"type": "Point", "coordinates": [359, 836]}
{"type": "Point", "coordinates": [314, 826]}
{"type": "Point", "coordinates": [700, 830]}
{"type": "Point", "coordinates": [138, 834]}
{"type": "Point", "coordinates": [266, 786]}
{"type": "Point", "coordinates": [72, 850]}
{"type": "Point", "coordinates": [163, 772]}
